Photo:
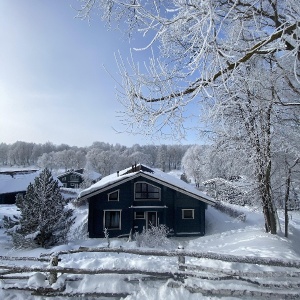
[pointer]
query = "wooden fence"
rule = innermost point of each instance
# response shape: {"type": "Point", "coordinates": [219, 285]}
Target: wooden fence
{"type": "Point", "coordinates": [280, 284]}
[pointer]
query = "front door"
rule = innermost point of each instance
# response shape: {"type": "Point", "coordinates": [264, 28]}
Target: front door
{"type": "Point", "coordinates": [151, 217]}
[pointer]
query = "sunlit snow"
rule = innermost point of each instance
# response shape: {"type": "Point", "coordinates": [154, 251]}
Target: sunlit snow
{"type": "Point", "coordinates": [225, 235]}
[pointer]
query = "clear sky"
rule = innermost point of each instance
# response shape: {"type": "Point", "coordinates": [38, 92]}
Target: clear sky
{"type": "Point", "coordinates": [53, 86]}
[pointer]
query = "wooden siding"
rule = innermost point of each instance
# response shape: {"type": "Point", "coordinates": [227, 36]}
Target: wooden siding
{"type": "Point", "coordinates": [69, 180]}
{"type": "Point", "coordinates": [168, 208]}
{"type": "Point", "coordinates": [9, 198]}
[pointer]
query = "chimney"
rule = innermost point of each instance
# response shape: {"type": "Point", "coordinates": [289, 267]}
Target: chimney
{"type": "Point", "coordinates": [117, 173]}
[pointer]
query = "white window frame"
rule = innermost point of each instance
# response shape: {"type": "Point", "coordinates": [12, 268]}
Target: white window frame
{"type": "Point", "coordinates": [120, 221]}
{"type": "Point", "coordinates": [143, 218]}
{"type": "Point", "coordinates": [186, 209]}
{"type": "Point", "coordinates": [147, 199]}
{"type": "Point", "coordinates": [116, 191]}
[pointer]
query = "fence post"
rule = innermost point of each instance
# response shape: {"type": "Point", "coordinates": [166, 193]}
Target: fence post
{"type": "Point", "coordinates": [53, 274]}
{"type": "Point", "coordinates": [181, 259]}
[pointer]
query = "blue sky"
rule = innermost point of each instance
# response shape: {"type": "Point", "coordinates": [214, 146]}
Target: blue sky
{"type": "Point", "coordinates": [53, 86]}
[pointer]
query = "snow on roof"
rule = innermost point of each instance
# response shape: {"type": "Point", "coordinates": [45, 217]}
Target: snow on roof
{"type": "Point", "coordinates": [18, 181]}
{"type": "Point", "coordinates": [69, 172]}
{"type": "Point", "coordinates": [152, 174]}
{"type": "Point", "coordinates": [89, 174]}
{"type": "Point", "coordinates": [13, 182]}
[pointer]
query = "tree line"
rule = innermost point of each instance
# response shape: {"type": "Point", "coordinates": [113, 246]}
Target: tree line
{"type": "Point", "coordinates": [101, 157]}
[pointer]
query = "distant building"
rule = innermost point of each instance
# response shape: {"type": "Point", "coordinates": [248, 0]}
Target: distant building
{"type": "Point", "coordinates": [74, 178]}
{"type": "Point", "coordinates": [15, 182]}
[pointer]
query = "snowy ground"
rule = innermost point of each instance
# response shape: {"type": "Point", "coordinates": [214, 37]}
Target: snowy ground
{"type": "Point", "coordinates": [225, 235]}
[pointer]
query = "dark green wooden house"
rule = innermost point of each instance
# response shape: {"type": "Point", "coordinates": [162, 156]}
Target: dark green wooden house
{"type": "Point", "coordinates": [130, 199]}
{"type": "Point", "coordinates": [74, 178]}
{"type": "Point", "coordinates": [71, 178]}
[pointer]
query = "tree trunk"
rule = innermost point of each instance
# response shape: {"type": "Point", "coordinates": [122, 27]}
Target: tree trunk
{"type": "Point", "coordinates": [264, 180]}
{"type": "Point", "coordinates": [287, 194]}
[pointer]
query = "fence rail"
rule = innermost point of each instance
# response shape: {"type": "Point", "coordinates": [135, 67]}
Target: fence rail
{"type": "Point", "coordinates": [287, 289]}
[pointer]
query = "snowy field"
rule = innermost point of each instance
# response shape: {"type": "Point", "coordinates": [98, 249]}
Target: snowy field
{"type": "Point", "coordinates": [225, 235]}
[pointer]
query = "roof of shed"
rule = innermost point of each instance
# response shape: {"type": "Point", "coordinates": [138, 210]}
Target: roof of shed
{"type": "Point", "coordinates": [156, 175]}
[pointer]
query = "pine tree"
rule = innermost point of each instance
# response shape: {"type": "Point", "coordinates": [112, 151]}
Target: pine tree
{"type": "Point", "coordinates": [44, 219]}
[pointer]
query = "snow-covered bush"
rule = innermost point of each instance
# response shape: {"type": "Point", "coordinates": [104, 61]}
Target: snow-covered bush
{"type": "Point", "coordinates": [154, 236]}
{"type": "Point", "coordinates": [79, 229]}
{"type": "Point", "coordinates": [44, 218]}
{"type": "Point", "coordinates": [230, 211]}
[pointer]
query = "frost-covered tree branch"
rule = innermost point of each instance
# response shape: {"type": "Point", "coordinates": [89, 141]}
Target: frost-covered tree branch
{"type": "Point", "coordinates": [194, 48]}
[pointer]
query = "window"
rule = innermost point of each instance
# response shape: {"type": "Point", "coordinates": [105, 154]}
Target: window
{"type": "Point", "coordinates": [74, 177]}
{"type": "Point", "coordinates": [188, 213]}
{"type": "Point", "coordinates": [145, 191]}
{"type": "Point", "coordinates": [112, 219]}
{"type": "Point", "coordinates": [114, 196]}
{"type": "Point", "coordinates": [139, 215]}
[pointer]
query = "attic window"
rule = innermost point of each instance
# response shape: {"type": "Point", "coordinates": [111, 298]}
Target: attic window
{"type": "Point", "coordinates": [188, 214]}
{"type": "Point", "coordinates": [145, 191]}
{"type": "Point", "coordinates": [114, 196]}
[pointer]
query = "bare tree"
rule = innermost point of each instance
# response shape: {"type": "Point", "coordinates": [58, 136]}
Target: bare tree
{"type": "Point", "coordinates": [250, 118]}
{"type": "Point", "coordinates": [194, 46]}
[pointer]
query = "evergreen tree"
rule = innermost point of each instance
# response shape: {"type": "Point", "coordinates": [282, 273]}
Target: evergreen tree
{"type": "Point", "coordinates": [44, 219]}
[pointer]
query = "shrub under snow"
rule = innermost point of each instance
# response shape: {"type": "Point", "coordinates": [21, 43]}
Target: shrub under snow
{"type": "Point", "coordinates": [154, 236]}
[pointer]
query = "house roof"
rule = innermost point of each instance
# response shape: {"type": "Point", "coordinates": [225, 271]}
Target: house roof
{"type": "Point", "coordinates": [69, 172]}
{"type": "Point", "coordinates": [92, 175]}
{"type": "Point", "coordinates": [156, 175]}
{"type": "Point", "coordinates": [16, 181]}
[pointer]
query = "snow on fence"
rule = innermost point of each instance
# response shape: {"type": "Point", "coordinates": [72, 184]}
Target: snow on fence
{"type": "Point", "coordinates": [258, 284]}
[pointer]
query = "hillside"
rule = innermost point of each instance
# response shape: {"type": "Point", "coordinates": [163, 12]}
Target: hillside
{"type": "Point", "coordinates": [225, 235]}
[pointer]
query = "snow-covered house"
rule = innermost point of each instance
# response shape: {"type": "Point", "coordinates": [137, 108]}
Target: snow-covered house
{"type": "Point", "coordinates": [74, 178]}
{"type": "Point", "coordinates": [13, 183]}
{"type": "Point", "coordinates": [131, 199]}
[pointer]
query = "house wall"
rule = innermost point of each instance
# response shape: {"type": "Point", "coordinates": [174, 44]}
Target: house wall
{"type": "Point", "coordinates": [171, 215]}
{"type": "Point", "coordinates": [70, 180]}
{"type": "Point", "coordinates": [194, 226]}
{"type": "Point", "coordinates": [99, 203]}
{"type": "Point", "coordinates": [9, 198]}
